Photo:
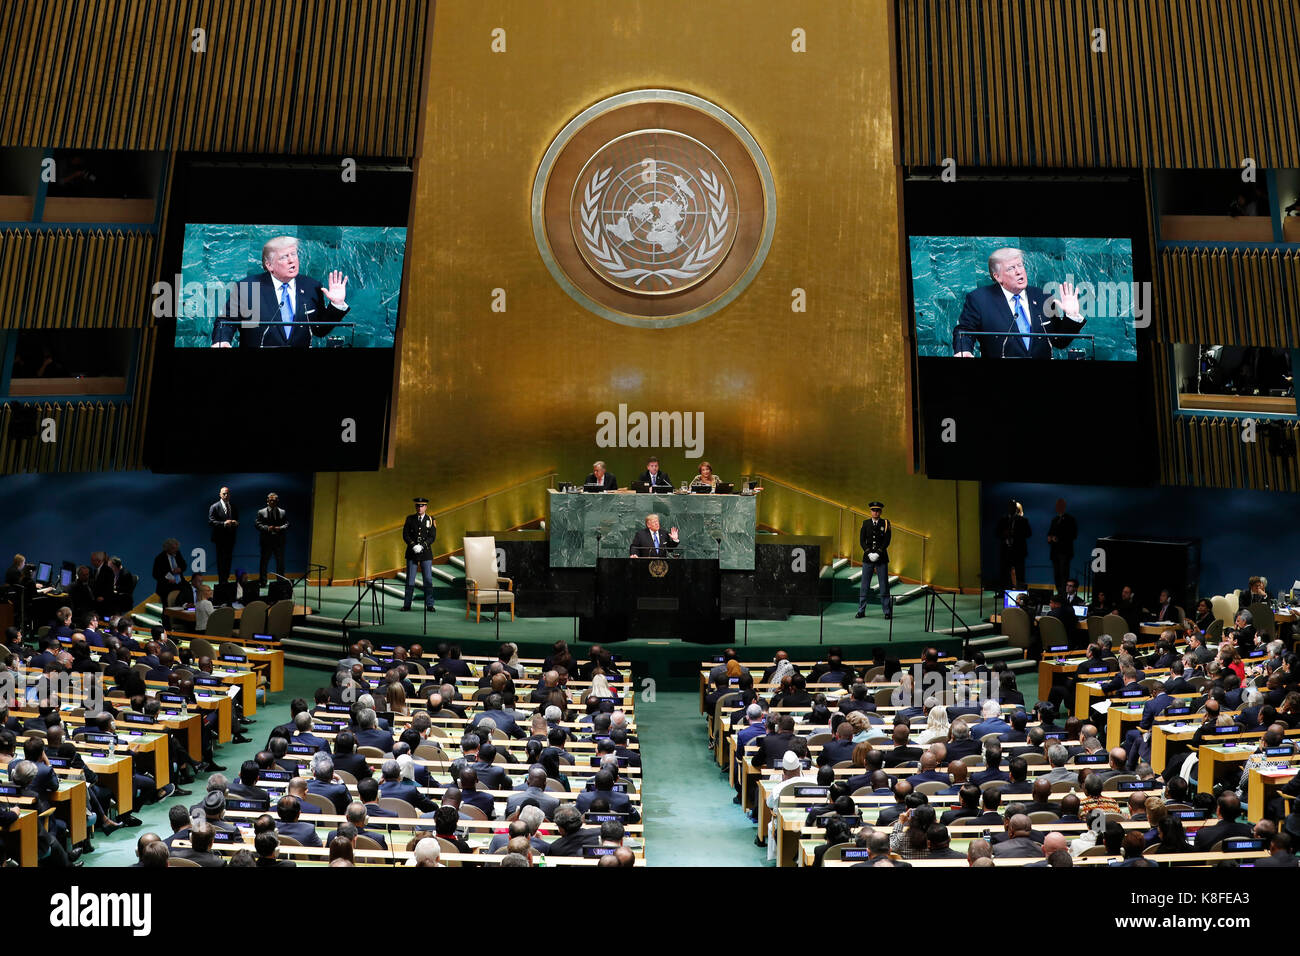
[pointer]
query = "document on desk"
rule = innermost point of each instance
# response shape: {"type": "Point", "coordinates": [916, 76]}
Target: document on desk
{"type": "Point", "coordinates": [1101, 706]}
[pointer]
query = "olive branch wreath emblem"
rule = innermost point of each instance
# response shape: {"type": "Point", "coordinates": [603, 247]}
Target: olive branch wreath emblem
{"type": "Point", "coordinates": [696, 261]}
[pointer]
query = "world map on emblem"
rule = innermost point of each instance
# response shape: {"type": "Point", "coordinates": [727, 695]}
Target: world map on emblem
{"type": "Point", "coordinates": [654, 212]}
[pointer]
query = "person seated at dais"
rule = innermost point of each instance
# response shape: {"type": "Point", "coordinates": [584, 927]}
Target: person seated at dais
{"type": "Point", "coordinates": [705, 476]}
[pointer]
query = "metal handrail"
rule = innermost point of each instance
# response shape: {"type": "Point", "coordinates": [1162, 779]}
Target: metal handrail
{"type": "Point", "coordinates": [848, 510]}
{"type": "Point", "coordinates": [837, 504]}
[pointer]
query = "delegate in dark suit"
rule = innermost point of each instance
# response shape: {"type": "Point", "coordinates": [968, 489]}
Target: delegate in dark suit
{"type": "Point", "coordinates": [618, 803]}
{"type": "Point", "coordinates": [306, 311]}
{"type": "Point", "coordinates": [1025, 335]}
{"type": "Point", "coordinates": [220, 517]}
{"type": "Point", "coordinates": [607, 482]}
{"type": "Point", "coordinates": [272, 523]}
{"type": "Point", "coordinates": [1061, 534]}
{"type": "Point", "coordinates": [659, 479]}
{"type": "Point", "coordinates": [169, 574]}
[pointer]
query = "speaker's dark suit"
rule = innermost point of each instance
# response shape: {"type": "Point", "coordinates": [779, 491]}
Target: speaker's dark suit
{"type": "Point", "coordinates": [643, 544]}
{"type": "Point", "coordinates": [310, 306]}
{"type": "Point", "coordinates": [986, 310]}
{"type": "Point", "coordinates": [608, 483]}
{"type": "Point", "coordinates": [223, 535]}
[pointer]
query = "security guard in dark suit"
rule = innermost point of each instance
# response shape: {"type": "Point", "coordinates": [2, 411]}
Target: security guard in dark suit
{"type": "Point", "coordinates": [419, 533]}
{"type": "Point", "coordinates": [875, 537]}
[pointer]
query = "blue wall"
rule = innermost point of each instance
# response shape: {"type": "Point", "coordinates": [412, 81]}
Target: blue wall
{"type": "Point", "coordinates": [1242, 532]}
{"type": "Point", "coordinates": [60, 517]}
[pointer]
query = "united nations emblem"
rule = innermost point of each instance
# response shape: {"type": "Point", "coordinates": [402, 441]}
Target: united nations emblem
{"type": "Point", "coordinates": [654, 208]}
{"type": "Point", "coordinates": [654, 212]}
{"type": "Point", "coordinates": [658, 568]}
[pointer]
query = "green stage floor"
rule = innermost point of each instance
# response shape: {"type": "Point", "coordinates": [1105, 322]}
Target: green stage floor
{"type": "Point", "coordinates": [670, 660]}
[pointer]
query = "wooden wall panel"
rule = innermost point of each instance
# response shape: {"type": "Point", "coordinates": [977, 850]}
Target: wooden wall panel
{"type": "Point", "coordinates": [1229, 296]}
{"type": "Point", "coordinates": [89, 436]}
{"type": "Point", "coordinates": [312, 76]}
{"type": "Point", "coordinates": [1188, 84]}
{"type": "Point", "coordinates": [75, 278]}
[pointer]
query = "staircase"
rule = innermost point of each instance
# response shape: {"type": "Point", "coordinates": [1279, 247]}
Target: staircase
{"type": "Point", "coordinates": [316, 642]}
{"type": "Point", "coordinates": [994, 646]}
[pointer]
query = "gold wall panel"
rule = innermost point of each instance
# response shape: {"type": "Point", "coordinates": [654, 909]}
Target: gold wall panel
{"type": "Point", "coordinates": [312, 76]}
{"type": "Point", "coordinates": [1183, 84]}
{"type": "Point", "coordinates": [817, 398]}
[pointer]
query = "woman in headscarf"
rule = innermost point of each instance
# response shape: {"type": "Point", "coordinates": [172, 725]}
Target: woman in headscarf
{"type": "Point", "coordinates": [936, 726]}
{"type": "Point", "coordinates": [725, 685]}
{"type": "Point", "coordinates": [783, 670]}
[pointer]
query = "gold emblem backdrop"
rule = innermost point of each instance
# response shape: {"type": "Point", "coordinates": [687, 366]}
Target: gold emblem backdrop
{"type": "Point", "coordinates": [817, 399]}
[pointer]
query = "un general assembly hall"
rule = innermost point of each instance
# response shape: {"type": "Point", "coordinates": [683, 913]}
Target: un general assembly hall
{"type": "Point", "coordinates": [732, 433]}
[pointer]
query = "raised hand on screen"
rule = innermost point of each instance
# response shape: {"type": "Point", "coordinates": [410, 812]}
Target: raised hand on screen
{"type": "Point", "coordinates": [1069, 300]}
{"type": "Point", "coordinates": [337, 291]}
{"type": "Point", "coordinates": [672, 533]}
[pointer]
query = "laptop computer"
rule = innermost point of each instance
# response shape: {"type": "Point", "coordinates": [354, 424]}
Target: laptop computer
{"type": "Point", "coordinates": [593, 487]}
{"type": "Point", "coordinates": [724, 488]}
{"type": "Point", "coordinates": [641, 487]}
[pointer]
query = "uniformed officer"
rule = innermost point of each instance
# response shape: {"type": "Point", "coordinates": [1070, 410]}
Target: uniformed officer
{"type": "Point", "coordinates": [874, 538]}
{"type": "Point", "coordinates": [419, 533]}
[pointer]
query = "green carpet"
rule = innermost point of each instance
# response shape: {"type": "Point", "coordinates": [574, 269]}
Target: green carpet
{"type": "Point", "coordinates": [119, 849]}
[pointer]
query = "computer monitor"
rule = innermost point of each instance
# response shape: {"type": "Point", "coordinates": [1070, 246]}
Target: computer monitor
{"type": "Point", "coordinates": [1080, 610]}
{"type": "Point", "coordinates": [43, 572]}
{"type": "Point", "coordinates": [65, 578]}
{"type": "Point", "coordinates": [1009, 598]}
{"type": "Point", "coordinates": [1040, 596]}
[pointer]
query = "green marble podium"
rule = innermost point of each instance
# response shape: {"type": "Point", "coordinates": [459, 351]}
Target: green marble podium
{"type": "Point", "coordinates": [700, 520]}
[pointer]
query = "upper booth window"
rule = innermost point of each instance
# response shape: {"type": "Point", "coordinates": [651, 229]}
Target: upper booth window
{"type": "Point", "coordinates": [80, 187]}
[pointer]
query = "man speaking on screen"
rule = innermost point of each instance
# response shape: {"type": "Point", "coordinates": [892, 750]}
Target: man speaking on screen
{"type": "Point", "coordinates": [288, 308]}
{"type": "Point", "coordinates": [1014, 311]}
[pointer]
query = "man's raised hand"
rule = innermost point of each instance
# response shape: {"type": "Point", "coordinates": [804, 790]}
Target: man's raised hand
{"type": "Point", "coordinates": [337, 291]}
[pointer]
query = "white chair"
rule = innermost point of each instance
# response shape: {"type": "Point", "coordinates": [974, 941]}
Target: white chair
{"type": "Point", "coordinates": [483, 585]}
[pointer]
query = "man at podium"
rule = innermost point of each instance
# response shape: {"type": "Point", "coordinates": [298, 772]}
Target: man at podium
{"type": "Point", "coordinates": [649, 543]}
